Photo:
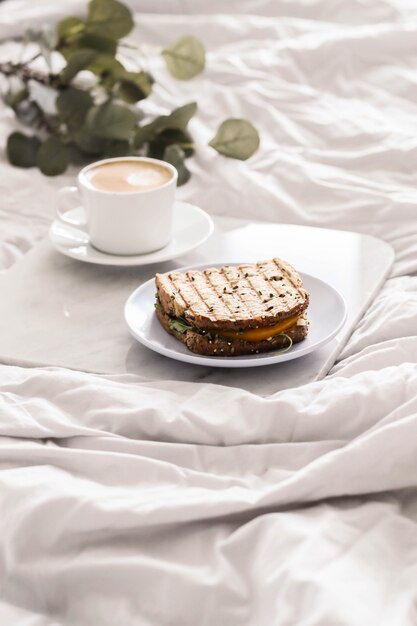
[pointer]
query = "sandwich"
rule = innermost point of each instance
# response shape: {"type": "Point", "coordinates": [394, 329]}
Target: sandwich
{"type": "Point", "coordinates": [235, 309]}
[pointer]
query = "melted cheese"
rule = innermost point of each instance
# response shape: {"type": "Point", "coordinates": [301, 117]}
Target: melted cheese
{"type": "Point", "coordinates": [258, 334]}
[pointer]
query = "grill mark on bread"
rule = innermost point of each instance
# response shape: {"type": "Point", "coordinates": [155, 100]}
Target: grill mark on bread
{"type": "Point", "coordinates": [245, 290]}
{"type": "Point", "coordinates": [297, 299]}
{"type": "Point", "coordinates": [256, 284]}
{"type": "Point", "coordinates": [169, 296]}
{"type": "Point", "coordinates": [219, 307]}
{"type": "Point", "coordinates": [262, 288]}
{"type": "Point", "coordinates": [288, 271]}
{"type": "Point", "coordinates": [215, 307]}
{"type": "Point", "coordinates": [235, 293]}
{"type": "Point", "coordinates": [272, 275]}
{"type": "Point", "coordinates": [279, 289]}
{"type": "Point", "coordinates": [233, 297]}
{"type": "Point", "coordinates": [200, 306]}
{"type": "Point", "coordinates": [190, 294]}
{"type": "Point", "coordinates": [221, 288]}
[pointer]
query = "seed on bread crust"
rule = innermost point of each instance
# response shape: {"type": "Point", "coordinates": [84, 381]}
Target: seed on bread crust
{"type": "Point", "coordinates": [201, 344]}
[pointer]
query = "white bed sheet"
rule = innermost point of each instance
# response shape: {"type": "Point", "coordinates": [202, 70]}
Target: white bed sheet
{"type": "Point", "coordinates": [167, 504]}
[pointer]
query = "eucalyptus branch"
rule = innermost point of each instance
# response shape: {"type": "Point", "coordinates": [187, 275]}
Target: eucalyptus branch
{"type": "Point", "coordinates": [130, 46]}
{"type": "Point", "coordinates": [29, 61]}
{"type": "Point", "coordinates": [22, 71]}
{"type": "Point", "coordinates": [98, 117]}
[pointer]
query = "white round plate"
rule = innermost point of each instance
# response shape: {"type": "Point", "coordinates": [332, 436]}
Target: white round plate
{"type": "Point", "coordinates": [191, 227]}
{"type": "Point", "coordinates": [326, 312]}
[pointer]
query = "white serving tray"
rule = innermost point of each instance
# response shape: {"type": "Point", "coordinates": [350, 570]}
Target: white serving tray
{"type": "Point", "coordinates": [57, 311]}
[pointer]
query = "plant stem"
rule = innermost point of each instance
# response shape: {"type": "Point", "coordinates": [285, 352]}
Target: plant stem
{"type": "Point", "coordinates": [29, 61]}
{"type": "Point", "coordinates": [24, 72]}
{"type": "Point", "coordinates": [129, 44]}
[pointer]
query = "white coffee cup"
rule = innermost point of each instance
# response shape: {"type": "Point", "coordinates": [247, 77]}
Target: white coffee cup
{"type": "Point", "coordinates": [123, 222]}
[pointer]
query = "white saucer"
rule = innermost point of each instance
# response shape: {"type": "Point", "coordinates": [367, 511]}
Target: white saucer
{"type": "Point", "coordinates": [326, 312]}
{"type": "Point", "coordinates": [191, 227]}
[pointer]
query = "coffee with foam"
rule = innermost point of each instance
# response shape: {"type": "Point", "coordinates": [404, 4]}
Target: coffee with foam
{"type": "Point", "coordinates": [128, 176]}
{"type": "Point", "coordinates": [127, 204]}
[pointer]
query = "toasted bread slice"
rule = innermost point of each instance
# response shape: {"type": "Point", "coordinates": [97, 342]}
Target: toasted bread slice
{"type": "Point", "coordinates": [252, 295]}
{"type": "Point", "coordinates": [209, 345]}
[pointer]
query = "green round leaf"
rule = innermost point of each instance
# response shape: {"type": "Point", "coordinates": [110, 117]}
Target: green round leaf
{"type": "Point", "coordinates": [105, 64]}
{"type": "Point", "coordinates": [101, 43]}
{"type": "Point", "coordinates": [185, 58]}
{"type": "Point", "coordinates": [89, 41]}
{"type": "Point", "coordinates": [72, 105]}
{"type": "Point", "coordinates": [108, 69]}
{"type": "Point", "coordinates": [79, 60]}
{"type": "Point", "coordinates": [68, 28]}
{"type": "Point", "coordinates": [128, 92]}
{"type": "Point", "coordinates": [22, 150]}
{"type": "Point", "coordinates": [168, 137]}
{"type": "Point", "coordinates": [176, 156]}
{"type": "Point", "coordinates": [134, 86]}
{"type": "Point", "coordinates": [236, 139]}
{"type": "Point", "coordinates": [52, 158]}
{"type": "Point", "coordinates": [109, 18]}
{"type": "Point", "coordinates": [181, 138]}
{"type": "Point", "coordinates": [87, 143]}
{"type": "Point", "coordinates": [117, 148]}
{"type": "Point", "coordinates": [77, 156]}
{"type": "Point", "coordinates": [111, 121]}
{"type": "Point", "coordinates": [143, 134]}
{"type": "Point", "coordinates": [179, 118]}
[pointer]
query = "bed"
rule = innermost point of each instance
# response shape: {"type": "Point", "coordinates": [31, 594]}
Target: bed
{"type": "Point", "coordinates": [124, 502]}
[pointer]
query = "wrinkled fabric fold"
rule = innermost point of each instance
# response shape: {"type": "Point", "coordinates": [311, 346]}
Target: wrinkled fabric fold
{"type": "Point", "coordinates": [160, 504]}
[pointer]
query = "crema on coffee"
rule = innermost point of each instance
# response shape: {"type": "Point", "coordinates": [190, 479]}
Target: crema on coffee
{"type": "Point", "coordinates": [128, 176]}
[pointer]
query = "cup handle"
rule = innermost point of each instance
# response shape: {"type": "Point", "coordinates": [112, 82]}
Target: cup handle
{"type": "Point", "coordinates": [62, 213]}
